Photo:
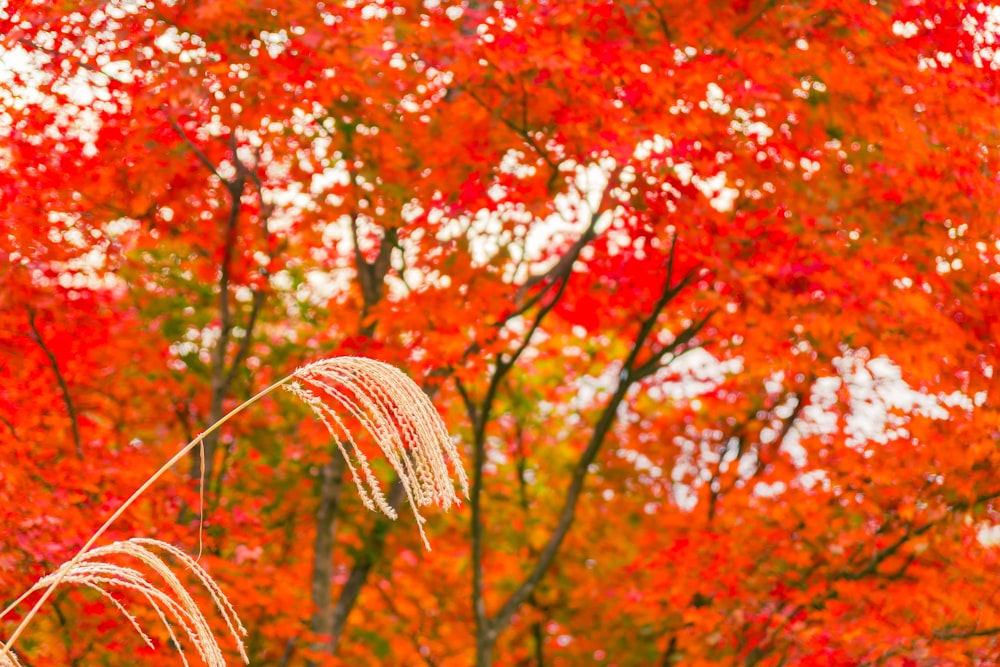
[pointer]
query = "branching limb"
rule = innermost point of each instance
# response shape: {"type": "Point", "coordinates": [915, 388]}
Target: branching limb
{"type": "Point", "coordinates": [764, 8]}
{"type": "Point", "coordinates": [193, 147]}
{"type": "Point", "coordinates": [63, 387]}
{"type": "Point", "coordinates": [481, 416]}
{"type": "Point", "coordinates": [372, 548]}
{"type": "Point", "coordinates": [632, 372]}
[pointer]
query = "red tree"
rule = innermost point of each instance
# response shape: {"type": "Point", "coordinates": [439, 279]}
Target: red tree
{"type": "Point", "coordinates": [708, 290]}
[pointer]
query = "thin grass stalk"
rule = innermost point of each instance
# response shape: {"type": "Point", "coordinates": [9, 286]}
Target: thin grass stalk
{"type": "Point", "coordinates": [170, 600]}
{"type": "Point", "coordinates": [63, 571]}
{"type": "Point", "coordinates": [388, 404]}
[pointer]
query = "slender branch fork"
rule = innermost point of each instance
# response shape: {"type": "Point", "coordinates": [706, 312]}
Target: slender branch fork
{"type": "Point", "coordinates": [64, 388]}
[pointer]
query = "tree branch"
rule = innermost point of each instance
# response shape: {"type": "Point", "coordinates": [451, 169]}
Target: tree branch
{"type": "Point", "coordinates": [630, 374]}
{"type": "Point", "coordinates": [331, 619]}
{"type": "Point", "coordinates": [484, 627]}
{"type": "Point", "coordinates": [879, 557]}
{"type": "Point", "coordinates": [64, 388]}
{"type": "Point", "coordinates": [220, 374]}
{"type": "Point", "coordinates": [331, 484]}
{"type": "Point", "coordinates": [288, 652]}
{"type": "Point", "coordinates": [671, 655]}
{"type": "Point", "coordinates": [521, 132]}
{"type": "Point", "coordinates": [193, 147]}
{"type": "Point", "coordinates": [664, 25]}
{"type": "Point", "coordinates": [10, 426]}
{"type": "Point", "coordinates": [244, 348]}
{"type": "Point", "coordinates": [372, 548]}
{"type": "Point", "coordinates": [563, 267]}
{"type": "Point", "coordinates": [954, 635]}
{"type": "Point", "coordinates": [753, 19]}
{"type": "Point", "coordinates": [59, 57]}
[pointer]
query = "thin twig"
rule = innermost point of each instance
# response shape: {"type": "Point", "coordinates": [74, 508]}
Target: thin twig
{"type": "Point", "coordinates": [54, 363]}
{"type": "Point", "coordinates": [198, 153]}
{"type": "Point", "coordinates": [753, 19]}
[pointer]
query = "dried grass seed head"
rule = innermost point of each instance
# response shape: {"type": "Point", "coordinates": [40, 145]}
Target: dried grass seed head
{"type": "Point", "coordinates": [9, 660]}
{"type": "Point", "coordinates": [169, 598]}
{"type": "Point", "coordinates": [400, 418]}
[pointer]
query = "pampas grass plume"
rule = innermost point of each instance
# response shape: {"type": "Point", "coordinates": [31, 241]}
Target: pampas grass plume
{"type": "Point", "coordinates": [390, 406]}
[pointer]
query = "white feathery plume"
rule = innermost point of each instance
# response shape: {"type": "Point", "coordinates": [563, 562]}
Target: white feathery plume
{"type": "Point", "coordinates": [170, 599]}
{"type": "Point", "coordinates": [9, 659]}
{"type": "Point", "coordinates": [172, 602]}
{"type": "Point", "coordinates": [401, 419]}
{"type": "Point", "coordinates": [396, 412]}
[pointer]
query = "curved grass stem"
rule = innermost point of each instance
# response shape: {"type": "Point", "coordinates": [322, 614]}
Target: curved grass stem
{"type": "Point", "coordinates": [5, 649]}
